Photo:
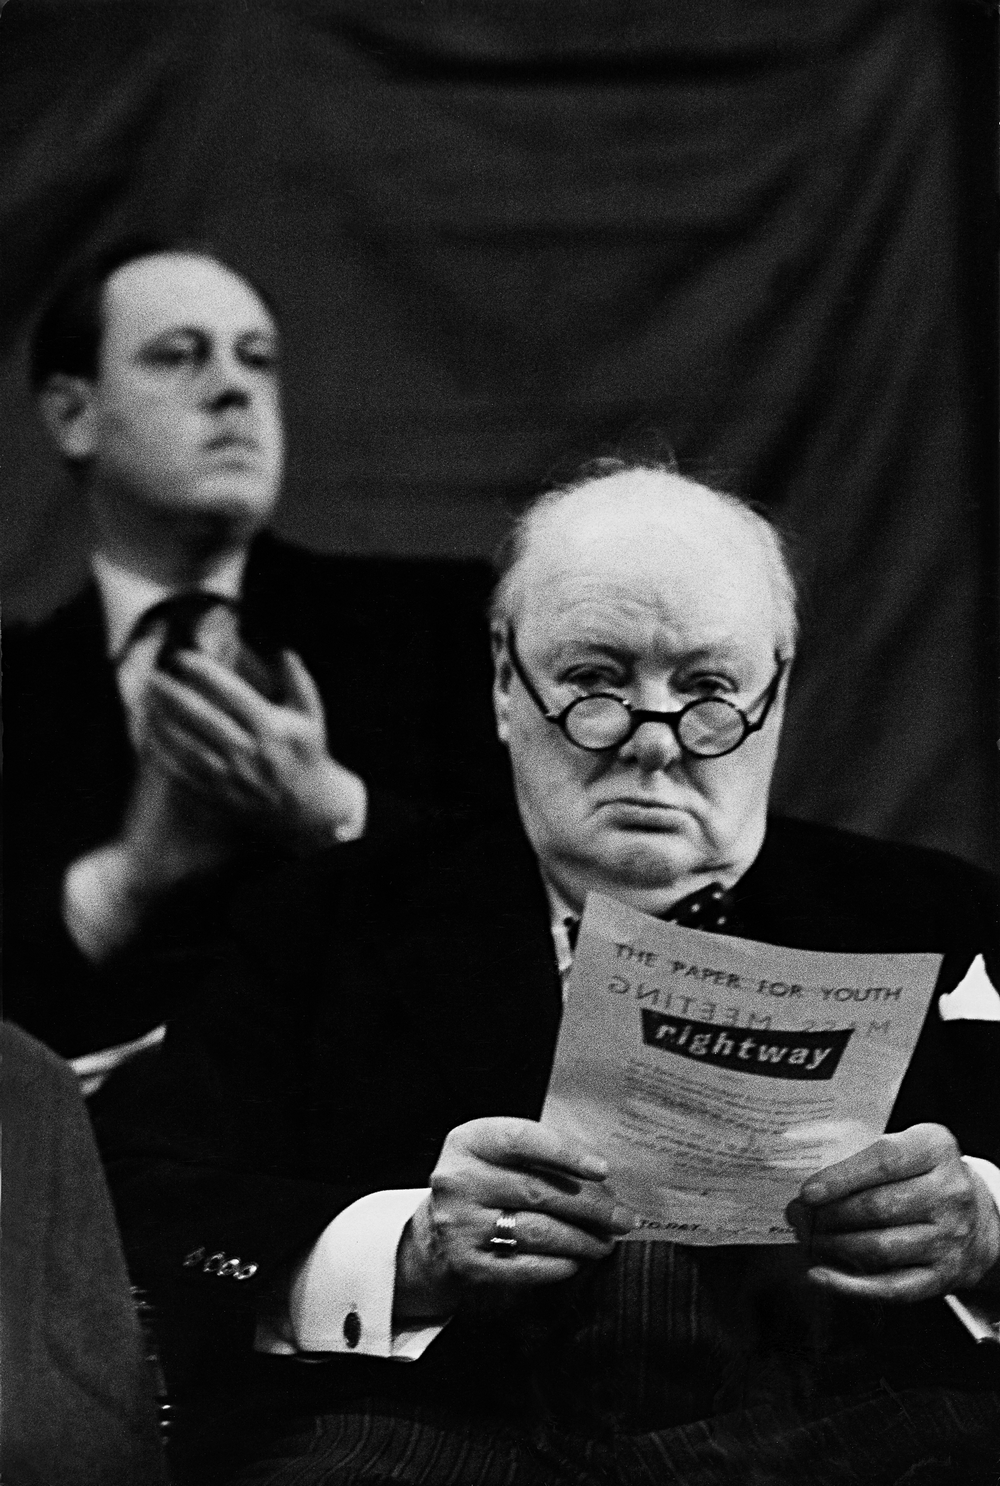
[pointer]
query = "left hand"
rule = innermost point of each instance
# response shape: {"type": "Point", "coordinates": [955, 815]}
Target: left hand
{"type": "Point", "coordinates": [215, 734]}
{"type": "Point", "coordinates": [905, 1219]}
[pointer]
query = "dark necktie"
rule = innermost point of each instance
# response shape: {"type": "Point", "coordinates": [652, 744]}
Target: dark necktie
{"type": "Point", "coordinates": [181, 616]}
{"type": "Point", "coordinates": [212, 624]}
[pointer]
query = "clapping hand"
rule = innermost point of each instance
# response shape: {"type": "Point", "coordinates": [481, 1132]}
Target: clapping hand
{"type": "Point", "coordinates": [904, 1219]}
{"type": "Point", "coordinates": [219, 764]}
{"type": "Point", "coordinates": [554, 1188]}
{"type": "Point", "coordinates": [263, 762]}
{"type": "Point", "coordinates": [164, 840]}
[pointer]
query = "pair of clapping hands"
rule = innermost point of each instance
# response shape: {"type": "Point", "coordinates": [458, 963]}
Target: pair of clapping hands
{"type": "Point", "coordinates": [903, 1220]}
{"type": "Point", "coordinates": [234, 760]}
{"type": "Point", "coordinates": [222, 767]}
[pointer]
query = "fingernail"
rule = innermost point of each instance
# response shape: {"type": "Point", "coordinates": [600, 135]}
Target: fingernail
{"type": "Point", "coordinates": [624, 1219]}
{"type": "Point", "coordinates": [595, 1167]}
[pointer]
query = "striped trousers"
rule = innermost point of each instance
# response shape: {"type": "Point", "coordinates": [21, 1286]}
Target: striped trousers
{"type": "Point", "coordinates": [714, 1367]}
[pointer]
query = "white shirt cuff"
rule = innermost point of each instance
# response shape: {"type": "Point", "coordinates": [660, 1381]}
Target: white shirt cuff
{"type": "Point", "coordinates": [341, 1298]}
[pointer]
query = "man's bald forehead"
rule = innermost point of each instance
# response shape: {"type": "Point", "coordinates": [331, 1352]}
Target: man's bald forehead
{"type": "Point", "coordinates": [180, 276]}
{"type": "Point", "coordinates": [629, 502]}
{"type": "Point", "coordinates": [630, 512]}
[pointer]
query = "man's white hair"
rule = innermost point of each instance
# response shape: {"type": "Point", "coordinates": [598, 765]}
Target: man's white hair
{"type": "Point", "coordinates": [772, 543]}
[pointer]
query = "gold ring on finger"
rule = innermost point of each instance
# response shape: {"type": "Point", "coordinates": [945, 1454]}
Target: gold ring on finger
{"type": "Point", "coordinates": [503, 1243]}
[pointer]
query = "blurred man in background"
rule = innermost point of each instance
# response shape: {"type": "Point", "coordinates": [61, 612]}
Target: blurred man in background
{"type": "Point", "coordinates": [215, 696]}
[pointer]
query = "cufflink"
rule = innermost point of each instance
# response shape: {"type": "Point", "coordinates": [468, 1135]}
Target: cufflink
{"type": "Point", "coordinates": [214, 1263]}
{"type": "Point", "coordinates": [230, 1267]}
{"type": "Point", "coordinates": [352, 1329]}
{"type": "Point", "coordinates": [246, 1273]}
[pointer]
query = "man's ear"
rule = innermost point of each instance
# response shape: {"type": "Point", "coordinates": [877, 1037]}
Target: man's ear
{"type": "Point", "coordinates": [502, 673]}
{"type": "Point", "coordinates": [66, 404]}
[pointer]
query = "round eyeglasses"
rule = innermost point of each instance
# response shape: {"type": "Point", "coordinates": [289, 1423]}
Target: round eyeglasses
{"type": "Point", "coordinates": [707, 727]}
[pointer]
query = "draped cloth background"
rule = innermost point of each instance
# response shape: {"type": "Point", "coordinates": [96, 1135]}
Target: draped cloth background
{"type": "Point", "coordinates": [500, 231]}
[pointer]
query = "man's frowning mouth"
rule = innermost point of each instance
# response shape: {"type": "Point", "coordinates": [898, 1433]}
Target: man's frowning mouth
{"type": "Point", "coordinates": [646, 813]}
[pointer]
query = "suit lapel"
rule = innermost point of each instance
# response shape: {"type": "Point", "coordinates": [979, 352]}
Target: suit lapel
{"type": "Point", "coordinates": [257, 599]}
{"type": "Point", "coordinates": [455, 941]}
{"type": "Point", "coordinates": [500, 1015]}
{"type": "Point", "coordinates": [288, 597]}
{"type": "Point", "coordinates": [811, 888]}
{"type": "Point", "coordinates": [86, 691]}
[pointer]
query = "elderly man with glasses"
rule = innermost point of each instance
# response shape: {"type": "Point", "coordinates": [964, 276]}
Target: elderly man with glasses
{"type": "Point", "coordinates": [345, 1163]}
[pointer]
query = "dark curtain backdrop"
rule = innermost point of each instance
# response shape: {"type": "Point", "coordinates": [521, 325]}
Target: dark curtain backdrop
{"type": "Point", "coordinates": [504, 230]}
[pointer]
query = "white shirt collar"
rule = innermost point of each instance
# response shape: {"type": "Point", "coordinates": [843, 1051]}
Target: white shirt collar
{"type": "Point", "coordinates": [560, 917]}
{"type": "Point", "coordinates": [126, 596]}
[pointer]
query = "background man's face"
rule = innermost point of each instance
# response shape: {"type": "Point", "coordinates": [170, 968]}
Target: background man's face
{"type": "Point", "coordinates": [185, 409]}
{"type": "Point", "coordinates": [658, 604]}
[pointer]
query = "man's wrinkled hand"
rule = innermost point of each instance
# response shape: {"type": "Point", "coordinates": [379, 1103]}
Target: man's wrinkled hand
{"type": "Point", "coordinates": [905, 1219]}
{"type": "Point", "coordinates": [565, 1213]}
{"type": "Point", "coordinates": [263, 761]}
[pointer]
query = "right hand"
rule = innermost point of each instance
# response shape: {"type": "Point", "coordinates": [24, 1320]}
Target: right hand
{"type": "Point", "coordinates": [566, 1214]}
{"type": "Point", "coordinates": [262, 761]}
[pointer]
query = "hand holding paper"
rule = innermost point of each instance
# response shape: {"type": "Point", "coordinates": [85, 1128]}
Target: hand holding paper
{"type": "Point", "coordinates": [904, 1219]}
{"type": "Point", "coordinates": [717, 1073]}
{"type": "Point", "coordinates": [556, 1187]}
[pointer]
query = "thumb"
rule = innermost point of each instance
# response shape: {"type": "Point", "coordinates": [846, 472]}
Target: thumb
{"type": "Point", "coordinates": [299, 686]}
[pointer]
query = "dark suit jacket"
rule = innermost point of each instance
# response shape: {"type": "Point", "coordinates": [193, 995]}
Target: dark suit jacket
{"type": "Point", "coordinates": [399, 651]}
{"type": "Point", "coordinates": [351, 1029]}
{"type": "Point", "coordinates": [78, 1392]}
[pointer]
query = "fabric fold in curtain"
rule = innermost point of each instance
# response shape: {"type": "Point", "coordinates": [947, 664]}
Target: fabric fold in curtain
{"type": "Point", "coordinates": [503, 232]}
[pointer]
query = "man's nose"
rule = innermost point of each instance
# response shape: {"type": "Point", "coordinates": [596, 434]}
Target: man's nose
{"type": "Point", "coordinates": [227, 384]}
{"type": "Point", "coordinates": [652, 746]}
